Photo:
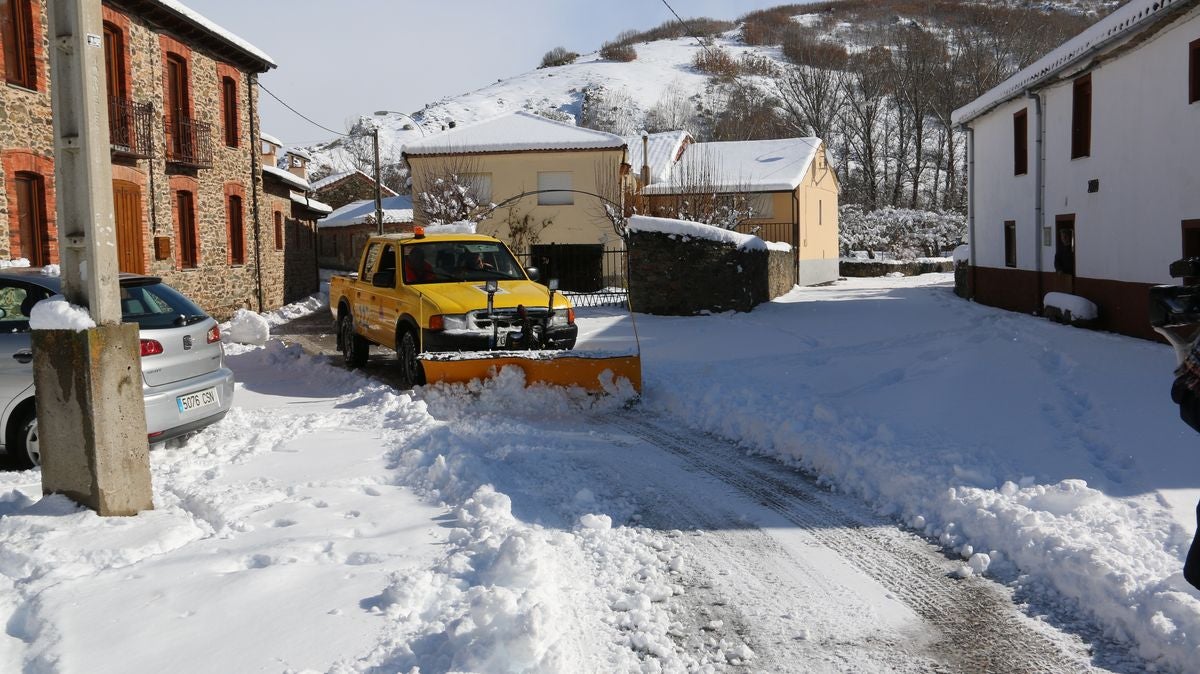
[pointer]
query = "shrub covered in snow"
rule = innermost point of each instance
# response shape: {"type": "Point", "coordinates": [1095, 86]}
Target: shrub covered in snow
{"type": "Point", "coordinates": [559, 56]}
{"type": "Point", "coordinates": [613, 51]}
{"type": "Point", "coordinates": [901, 232]}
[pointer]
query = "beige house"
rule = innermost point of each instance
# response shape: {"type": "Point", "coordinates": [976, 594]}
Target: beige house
{"type": "Point", "coordinates": [546, 178]}
{"type": "Point", "coordinates": [787, 186]}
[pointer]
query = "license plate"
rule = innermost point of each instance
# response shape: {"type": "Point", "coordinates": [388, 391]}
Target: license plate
{"type": "Point", "coordinates": [502, 339]}
{"type": "Point", "coordinates": [198, 400]}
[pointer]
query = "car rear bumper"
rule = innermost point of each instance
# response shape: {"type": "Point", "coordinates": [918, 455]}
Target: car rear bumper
{"type": "Point", "coordinates": [165, 420]}
{"type": "Point", "coordinates": [438, 341]}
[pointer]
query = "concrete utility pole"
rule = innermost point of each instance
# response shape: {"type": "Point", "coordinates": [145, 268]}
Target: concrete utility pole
{"type": "Point", "coordinates": [378, 188]}
{"type": "Point", "coordinates": [91, 415]}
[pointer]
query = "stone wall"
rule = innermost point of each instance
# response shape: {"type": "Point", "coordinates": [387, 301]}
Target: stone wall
{"type": "Point", "coordinates": [354, 187]}
{"type": "Point", "coordinates": [289, 254]}
{"type": "Point", "coordinates": [673, 276]}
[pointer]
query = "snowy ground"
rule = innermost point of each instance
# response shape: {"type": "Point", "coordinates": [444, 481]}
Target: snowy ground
{"type": "Point", "coordinates": [331, 523]}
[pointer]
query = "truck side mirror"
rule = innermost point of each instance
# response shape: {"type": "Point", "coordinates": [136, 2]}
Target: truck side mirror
{"type": "Point", "coordinates": [384, 279]}
{"type": "Point", "coordinates": [534, 273]}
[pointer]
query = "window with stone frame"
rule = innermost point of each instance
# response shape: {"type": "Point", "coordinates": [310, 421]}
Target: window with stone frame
{"type": "Point", "coordinates": [237, 231]}
{"type": "Point", "coordinates": [229, 110]}
{"type": "Point", "coordinates": [278, 230]}
{"type": "Point", "coordinates": [185, 224]}
{"type": "Point", "coordinates": [16, 31]}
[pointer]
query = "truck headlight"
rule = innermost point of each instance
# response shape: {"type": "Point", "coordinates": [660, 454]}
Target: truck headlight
{"type": "Point", "coordinates": [560, 319]}
{"type": "Point", "coordinates": [455, 321]}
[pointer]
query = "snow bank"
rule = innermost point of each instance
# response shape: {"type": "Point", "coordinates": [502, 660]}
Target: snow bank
{"type": "Point", "coordinates": [51, 270]}
{"type": "Point", "coordinates": [248, 327]}
{"type": "Point", "coordinates": [55, 313]}
{"type": "Point", "coordinates": [696, 230]}
{"type": "Point", "coordinates": [1078, 308]}
{"type": "Point", "coordinates": [962, 254]}
{"type": "Point", "coordinates": [19, 262]}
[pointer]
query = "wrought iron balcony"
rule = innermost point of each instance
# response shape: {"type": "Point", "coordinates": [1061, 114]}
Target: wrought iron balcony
{"type": "Point", "coordinates": [189, 142]}
{"type": "Point", "coordinates": [130, 127]}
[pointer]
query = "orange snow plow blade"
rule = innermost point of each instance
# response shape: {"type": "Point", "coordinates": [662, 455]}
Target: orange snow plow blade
{"type": "Point", "coordinates": [556, 368]}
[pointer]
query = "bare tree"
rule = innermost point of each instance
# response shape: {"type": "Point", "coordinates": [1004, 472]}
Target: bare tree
{"type": "Point", "coordinates": [702, 192]}
{"type": "Point", "coordinates": [810, 100]}
{"type": "Point", "coordinates": [452, 189]}
{"type": "Point", "coordinates": [864, 91]}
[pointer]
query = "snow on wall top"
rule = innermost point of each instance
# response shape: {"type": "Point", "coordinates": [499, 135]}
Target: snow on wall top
{"type": "Point", "coordinates": [299, 152]}
{"type": "Point", "coordinates": [311, 204]}
{"type": "Point", "coordinates": [270, 139]}
{"type": "Point", "coordinates": [663, 149]}
{"type": "Point", "coordinates": [207, 24]}
{"type": "Point", "coordinates": [395, 209]}
{"type": "Point", "coordinates": [287, 177]}
{"type": "Point", "coordinates": [1122, 23]}
{"type": "Point", "coordinates": [514, 132]}
{"type": "Point", "coordinates": [695, 230]}
{"type": "Point", "coordinates": [743, 165]}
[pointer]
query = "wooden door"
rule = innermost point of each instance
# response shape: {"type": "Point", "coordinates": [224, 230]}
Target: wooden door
{"type": "Point", "coordinates": [31, 214]}
{"type": "Point", "coordinates": [177, 103]}
{"type": "Point", "coordinates": [127, 207]}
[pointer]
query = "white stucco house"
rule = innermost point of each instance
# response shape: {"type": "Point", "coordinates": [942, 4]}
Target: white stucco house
{"type": "Point", "coordinates": [1085, 167]}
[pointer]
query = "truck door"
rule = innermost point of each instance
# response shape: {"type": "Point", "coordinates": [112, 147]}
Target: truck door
{"type": "Point", "coordinates": [383, 324]}
{"type": "Point", "coordinates": [363, 290]}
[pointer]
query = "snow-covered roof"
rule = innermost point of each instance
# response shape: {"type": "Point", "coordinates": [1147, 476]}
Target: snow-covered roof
{"type": "Point", "coordinates": [207, 25]}
{"type": "Point", "coordinates": [311, 204]}
{"type": "Point", "coordinates": [1124, 22]}
{"type": "Point", "coordinates": [741, 166]}
{"type": "Point", "coordinates": [395, 209]}
{"type": "Point", "coordinates": [270, 139]}
{"type": "Point", "coordinates": [336, 177]}
{"type": "Point", "coordinates": [303, 154]}
{"type": "Point", "coordinates": [286, 176]}
{"type": "Point", "coordinates": [663, 150]}
{"type": "Point", "coordinates": [513, 133]}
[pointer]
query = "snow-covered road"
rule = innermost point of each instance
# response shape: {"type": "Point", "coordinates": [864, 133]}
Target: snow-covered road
{"type": "Point", "coordinates": [332, 523]}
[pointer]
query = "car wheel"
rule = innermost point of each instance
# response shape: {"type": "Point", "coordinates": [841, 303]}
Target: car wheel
{"type": "Point", "coordinates": [411, 372]}
{"type": "Point", "coordinates": [23, 445]}
{"type": "Point", "coordinates": [355, 349]}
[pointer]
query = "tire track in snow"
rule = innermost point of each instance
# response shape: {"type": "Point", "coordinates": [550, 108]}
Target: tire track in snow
{"type": "Point", "coordinates": [978, 628]}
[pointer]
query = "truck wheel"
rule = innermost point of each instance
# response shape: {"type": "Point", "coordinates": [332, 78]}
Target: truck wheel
{"type": "Point", "coordinates": [355, 349]}
{"type": "Point", "coordinates": [411, 372]}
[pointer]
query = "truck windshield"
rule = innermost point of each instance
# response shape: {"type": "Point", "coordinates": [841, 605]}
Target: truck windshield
{"type": "Point", "coordinates": [443, 261]}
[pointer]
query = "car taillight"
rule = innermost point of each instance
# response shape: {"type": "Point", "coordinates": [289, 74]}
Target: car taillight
{"type": "Point", "coordinates": [151, 347]}
{"type": "Point", "coordinates": [214, 334]}
{"type": "Point", "coordinates": [437, 322]}
{"type": "Point", "coordinates": [570, 315]}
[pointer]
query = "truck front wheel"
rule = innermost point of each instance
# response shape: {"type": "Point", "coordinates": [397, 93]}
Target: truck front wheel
{"type": "Point", "coordinates": [411, 372]}
{"type": "Point", "coordinates": [355, 349]}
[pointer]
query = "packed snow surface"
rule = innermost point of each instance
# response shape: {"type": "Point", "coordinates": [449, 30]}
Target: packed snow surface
{"type": "Point", "coordinates": [1079, 307]}
{"type": "Point", "coordinates": [56, 313]}
{"type": "Point", "coordinates": [333, 523]}
{"type": "Point", "coordinates": [696, 230]}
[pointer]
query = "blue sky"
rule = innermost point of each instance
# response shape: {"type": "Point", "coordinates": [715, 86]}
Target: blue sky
{"type": "Point", "coordinates": [339, 59]}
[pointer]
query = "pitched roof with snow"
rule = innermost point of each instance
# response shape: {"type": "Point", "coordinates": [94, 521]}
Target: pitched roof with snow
{"type": "Point", "coordinates": [334, 178]}
{"type": "Point", "coordinates": [190, 25]}
{"type": "Point", "coordinates": [395, 209]}
{"type": "Point", "coordinates": [513, 133]}
{"type": "Point", "coordinates": [311, 204]}
{"type": "Point", "coordinates": [741, 166]}
{"type": "Point", "coordinates": [269, 138]}
{"type": "Point", "coordinates": [1125, 22]}
{"type": "Point", "coordinates": [286, 176]}
{"type": "Point", "coordinates": [663, 150]}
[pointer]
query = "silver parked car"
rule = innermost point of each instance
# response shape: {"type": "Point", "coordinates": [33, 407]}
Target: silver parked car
{"type": "Point", "coordinates": [184, 379]}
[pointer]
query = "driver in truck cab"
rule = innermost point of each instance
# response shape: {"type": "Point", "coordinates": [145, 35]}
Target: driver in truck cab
{"type": "Point", "coordinates": [416, 268]}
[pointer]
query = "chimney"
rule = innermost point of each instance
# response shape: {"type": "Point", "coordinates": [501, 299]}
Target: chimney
{"type": "Point", "coordinates": [645, 159]}
{"type": "Point", "coordinates": [269, 156]}
{"type": "Point", "coordinates": [297, 165]}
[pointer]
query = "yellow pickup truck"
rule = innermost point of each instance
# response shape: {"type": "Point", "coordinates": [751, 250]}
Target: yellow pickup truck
{"type": "Point", "coordinates": [418, 294]}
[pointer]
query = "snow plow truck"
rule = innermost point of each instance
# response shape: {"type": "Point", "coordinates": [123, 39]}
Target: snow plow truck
{"type": "Point", "coordinates": [458, 306]}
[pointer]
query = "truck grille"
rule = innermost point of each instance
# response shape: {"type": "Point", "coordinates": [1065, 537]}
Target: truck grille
{"type": "Point", "coordinates": [505, 318]}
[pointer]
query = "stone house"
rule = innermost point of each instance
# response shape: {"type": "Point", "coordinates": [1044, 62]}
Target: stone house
{"type": "Point", "coordinates": [787, 186]}
{"type": "Point", "coordinates": [342, 234]}
{"type": "Point", "coordinates": [339, 189]}
{"type": "Point", "coordinates": [183, 127]}
{"type": "Point", "coordinates": [290, 261]}
{"type": "Point", "coordinates": [1083, 167]}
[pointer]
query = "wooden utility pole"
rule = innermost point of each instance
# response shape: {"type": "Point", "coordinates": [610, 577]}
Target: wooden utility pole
{"type": "Point", "coordinates": [91, 414]}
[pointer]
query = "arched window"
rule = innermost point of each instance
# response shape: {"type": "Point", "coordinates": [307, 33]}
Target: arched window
{"type": "Point", "coordinates": [230, 110]}
{"type": "Point", "coordinates": [237, 237]}
{"type": "Point", "coordinates": [33, 227]}
{"type": "Point", "coordinates": [185, 221]}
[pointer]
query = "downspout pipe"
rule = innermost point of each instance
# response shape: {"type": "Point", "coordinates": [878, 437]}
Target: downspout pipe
{"type": "Point", "coordinates": [1039, 172]}
{"type": "Point", "coordinates": [255, 173]}
{"type": "Point", "coordinates": [796, 237]}
{"type": "Point", "coordinates": [971, 205]}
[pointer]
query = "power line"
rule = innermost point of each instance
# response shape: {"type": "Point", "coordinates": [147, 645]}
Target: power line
{"type": "Point", "coordinates": [300, 114]}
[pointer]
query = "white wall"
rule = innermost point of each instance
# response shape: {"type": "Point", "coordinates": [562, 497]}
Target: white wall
{"type": "Point", "coordinates": [1145, 151]}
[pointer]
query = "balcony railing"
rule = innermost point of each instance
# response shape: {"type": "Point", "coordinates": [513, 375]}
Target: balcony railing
{"type": "Point", "coordinates": [130, 127]}
{"type": "Point", "coordinates": [189, 142]}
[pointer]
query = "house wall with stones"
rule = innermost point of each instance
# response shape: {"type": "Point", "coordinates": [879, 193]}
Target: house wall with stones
{"type": "Point", "coordinates": [289, 246]}
{"type": "Point", "coordinates": [217, 281]}
{"type": "Point", "coordinates": [354, 187]}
